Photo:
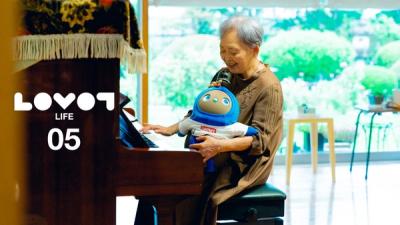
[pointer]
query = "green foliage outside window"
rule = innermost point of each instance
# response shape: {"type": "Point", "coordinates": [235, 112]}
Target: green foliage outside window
{"type": "Point", "coordinates": [307, 54]}
{"type": "Point", "coordinates": [388, 54]}
{"type": "Point", "coordinates": [384, 29]}
{"type": "Point", "coordinates": [319, 19]}
{"type": "Point", "coordinates": [394, 14]}
{"type": "Point", "coordinates": [206, 20]}
{"type": "Point", "coordinates": [378, 80]}
{"type": "Point", "coordinates": [396, 69]}
{"type": "Point", "coordinates": [328, 97]}
{"type": "Point", "coordinates": [312, 50]}
{"type": "Point", "coordinates": [335, 98]}
{"type": "Point", "coordinates": [184, 68]}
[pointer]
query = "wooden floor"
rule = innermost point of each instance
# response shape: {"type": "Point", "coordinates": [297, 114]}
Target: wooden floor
{"type": "Point", "coordinates": [314, 200]}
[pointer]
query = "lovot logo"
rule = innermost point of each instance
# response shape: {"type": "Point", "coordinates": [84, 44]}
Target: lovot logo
{"type": "Point", "coordinates": [43, 101]}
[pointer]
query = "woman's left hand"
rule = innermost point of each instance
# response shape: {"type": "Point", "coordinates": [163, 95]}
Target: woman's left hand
{"type": "Point", "coordinates": [208, 147]}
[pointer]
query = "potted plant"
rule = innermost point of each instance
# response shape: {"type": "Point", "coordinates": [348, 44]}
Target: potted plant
{"type": "Point", "coordinates": [379, 82]}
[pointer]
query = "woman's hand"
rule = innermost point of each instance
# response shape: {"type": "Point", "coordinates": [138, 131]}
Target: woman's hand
{"type": "Point", "coordinates": [166, 131]}
{"type": "Point", "coordinates": [208, 146]}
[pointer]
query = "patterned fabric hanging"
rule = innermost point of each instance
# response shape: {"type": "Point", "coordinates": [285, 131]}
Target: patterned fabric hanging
{"type": "Point", "coordinates": [69, 29]}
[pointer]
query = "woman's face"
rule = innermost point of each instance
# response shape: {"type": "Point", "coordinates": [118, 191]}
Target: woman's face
{"type": "Point", "coordinates": [236, 54]}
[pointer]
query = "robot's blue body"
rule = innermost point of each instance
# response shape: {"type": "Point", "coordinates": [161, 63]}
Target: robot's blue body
{"type": "Point", "coordinates": [215, 113]}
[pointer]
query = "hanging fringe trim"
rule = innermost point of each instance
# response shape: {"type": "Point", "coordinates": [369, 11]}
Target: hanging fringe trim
{"type": "Point", "coordinates": [72, 46]}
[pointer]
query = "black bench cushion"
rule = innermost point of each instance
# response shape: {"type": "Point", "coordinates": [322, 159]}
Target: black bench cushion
{"type": "Point", "coordinates": [266, 200]}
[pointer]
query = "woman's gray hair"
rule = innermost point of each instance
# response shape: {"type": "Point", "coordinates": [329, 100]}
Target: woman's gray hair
{"type": "Point", "coordinates": [248, 30]}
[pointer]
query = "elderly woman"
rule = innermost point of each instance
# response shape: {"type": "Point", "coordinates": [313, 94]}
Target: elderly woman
{"type": "Point", "coordinates": [242, 162]}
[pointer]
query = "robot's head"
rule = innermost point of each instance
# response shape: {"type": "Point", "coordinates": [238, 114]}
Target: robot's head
{"type": "Point", "coordinates": [216, 102]}
{"type": "Point", "coordinates": [216, 106]}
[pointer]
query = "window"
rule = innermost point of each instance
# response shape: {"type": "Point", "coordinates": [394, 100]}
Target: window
{"type": "Point", "coordinates": [322, 57]}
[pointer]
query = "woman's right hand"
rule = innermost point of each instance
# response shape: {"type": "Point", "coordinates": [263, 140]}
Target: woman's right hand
{"type": "Point", "coordinates": [166, 131]}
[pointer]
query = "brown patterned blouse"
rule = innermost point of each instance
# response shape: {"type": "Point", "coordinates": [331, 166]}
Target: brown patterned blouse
{"type": "Point", "coordinates": [261, 106]}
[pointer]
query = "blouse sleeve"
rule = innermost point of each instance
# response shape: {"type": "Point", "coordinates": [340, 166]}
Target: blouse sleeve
{"type": "Point", "coordinates": [266, 118]}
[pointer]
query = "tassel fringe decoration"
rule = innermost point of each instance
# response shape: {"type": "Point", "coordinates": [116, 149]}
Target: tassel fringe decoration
{"type": "Point", "coordinates": [73, 46]}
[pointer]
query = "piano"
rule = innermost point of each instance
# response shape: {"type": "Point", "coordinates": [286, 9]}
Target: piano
{"type": "Point", "coordinates": [161, 181]}
{"type": "Point", "coordinates": [79, 187]}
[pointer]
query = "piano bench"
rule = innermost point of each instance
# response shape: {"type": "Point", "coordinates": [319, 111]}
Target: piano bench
{"type": "Point", "coordinates": [263, 204]}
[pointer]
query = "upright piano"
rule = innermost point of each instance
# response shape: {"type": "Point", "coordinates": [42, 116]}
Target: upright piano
{"type": "Point", "coordinates": [79, 187]}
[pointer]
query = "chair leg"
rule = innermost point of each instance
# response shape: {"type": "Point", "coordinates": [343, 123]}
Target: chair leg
{"type": "Point", "coordinates": [378, 146]}
{"type": "Point", "coordinates": [332, 157]}
{"type": "Point", "coordinates": [289, 151]}
{"type": "Point", "coordinates": [314, 146]}
{"type": "Point", "coordinates": [369, 144]}
{"type": "Point", "coordinates": [385, 130]}
{"type": "Point", "coordinates": [394, 134]}
{"type": "Point", "coordinates": [355, 140]}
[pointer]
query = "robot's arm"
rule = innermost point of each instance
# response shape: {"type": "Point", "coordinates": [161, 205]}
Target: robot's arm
{"type": "Point", "coordinates": [251, 131]}
{"type": "Point", "coordinates": [185, 126]}
{"type": "Point", "coordinates": [240, 130]}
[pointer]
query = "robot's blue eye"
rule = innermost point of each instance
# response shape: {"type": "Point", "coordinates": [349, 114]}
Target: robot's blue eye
{"type": "Point", "coordinates": [225, 101]}
{"type": "Point", "coordinates": [206, 97]}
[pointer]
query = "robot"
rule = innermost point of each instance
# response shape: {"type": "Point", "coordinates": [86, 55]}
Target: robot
{"type": "Point", "coordinates": [215, 113]}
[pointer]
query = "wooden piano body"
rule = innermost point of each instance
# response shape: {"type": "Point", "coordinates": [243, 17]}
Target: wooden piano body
{"type": "Point", "coordinates": [80, 187]}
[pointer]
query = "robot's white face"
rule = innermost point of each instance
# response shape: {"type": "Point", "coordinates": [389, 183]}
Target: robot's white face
{"type": "Point", "coordinates": [216, 102]}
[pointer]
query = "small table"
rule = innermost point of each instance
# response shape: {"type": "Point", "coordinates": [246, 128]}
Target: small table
{"type": "Point", "coordinates": [313, 121]}
{"type": "Point", "coordinates": [365, 110]}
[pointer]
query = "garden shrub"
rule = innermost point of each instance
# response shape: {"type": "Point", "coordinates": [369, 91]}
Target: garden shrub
{"type": "Point", "coordinates": [384, 29]}
{"type": "Point", "coordinates": [308, 54]}
{"type": "Point", "coordinates": [388, 54]}
{"type": "Point", "coordinates": [396, 69]}
{"type": "Point", "coordinates": [184, 68]}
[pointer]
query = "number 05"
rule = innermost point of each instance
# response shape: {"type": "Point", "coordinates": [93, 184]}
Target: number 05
{"type": "Point", "coordinates": [68, 137]}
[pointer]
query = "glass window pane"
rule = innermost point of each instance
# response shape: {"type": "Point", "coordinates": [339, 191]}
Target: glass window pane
{"type": "Point", "coordinates": [329, 60]}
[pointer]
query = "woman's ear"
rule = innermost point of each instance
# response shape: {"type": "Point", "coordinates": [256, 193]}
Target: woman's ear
{"type": "Point", "coordinates": [256, 50]}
